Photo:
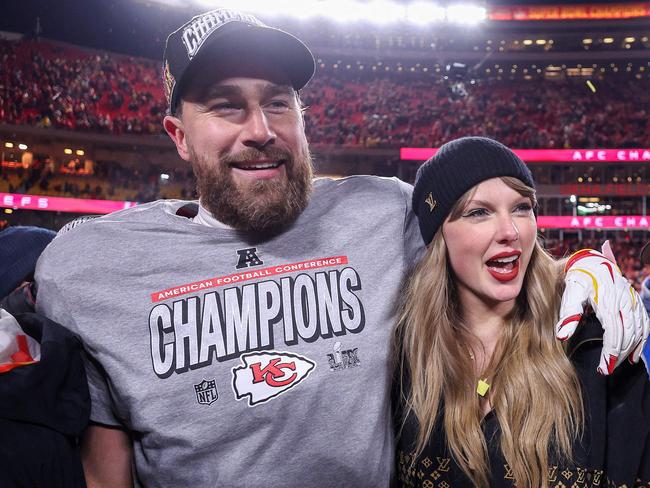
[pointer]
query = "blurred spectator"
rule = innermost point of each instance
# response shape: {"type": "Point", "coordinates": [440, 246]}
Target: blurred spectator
{"type": "Point", "coordinates": [644, 257]}
{"type": "Point", "coordinates": [20, 248]}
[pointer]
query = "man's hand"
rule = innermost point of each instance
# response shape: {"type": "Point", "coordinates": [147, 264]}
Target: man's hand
{"type": "Point", "coordinates": [593, 278]}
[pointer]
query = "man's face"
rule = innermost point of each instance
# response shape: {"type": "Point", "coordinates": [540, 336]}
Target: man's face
{"type": "Point", "coordinates": [243, 133]}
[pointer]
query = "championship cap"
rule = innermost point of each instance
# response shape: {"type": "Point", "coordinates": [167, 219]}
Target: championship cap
{"type": "Point", "coordinates": [221, 32]}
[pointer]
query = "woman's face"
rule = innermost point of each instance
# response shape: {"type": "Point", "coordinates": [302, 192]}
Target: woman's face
{"type": "Point", "coordinates": [489, 246]}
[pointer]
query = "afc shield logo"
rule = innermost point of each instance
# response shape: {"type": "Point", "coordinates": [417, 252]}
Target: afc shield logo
{"type": "Point", "coordinates": [248, 258]}
{"type": "Point", "coordinates": [206, 392]}
{"type": "Point", "coordinates": [265, 375]}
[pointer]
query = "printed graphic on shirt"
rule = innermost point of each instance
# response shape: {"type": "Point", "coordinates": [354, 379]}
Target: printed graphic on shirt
{"type": "Point", "coordinates": [248, 257]}
{"type": "Point", "coordinates": [263, 376]}
{"type": "Point", "coordinates": [206, 392]}
{"type": "Point", "coordinates": [193, 332]}
{"type": "Point", "coordinates": [343, 359]}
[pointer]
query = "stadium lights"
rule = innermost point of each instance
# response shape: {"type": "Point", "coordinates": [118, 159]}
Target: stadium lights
{"type": "Point", "coordinates": [629, 39]}
{"type": "Point", "coordinates": [423, 13]}
{"type": "Point", "coordinates": [80, 152]}
{"type": "Point", "coordinates": [22, 147]}
{"type": "Point", "coordinates": [375, 11]}
{"type": "Point", "coordinates": [67, 150]}
{"type": "Point", "coordinates": [528, 42]}
{"type": "Point", "coordinates": [466, 14]}
{"type": "Point", "coordinates": [383, 12]}
{"type": "Point", "coordinates": [9, 145]}
{"type": "Point", "coordinates": [587, 41]}
{"type": "Point", "coordinates": [540, 42]}
{"type": "Point", "coordinates": [608, 40]}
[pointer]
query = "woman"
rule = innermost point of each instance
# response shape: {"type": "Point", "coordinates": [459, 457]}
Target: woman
{"type": "Point", "coordinates": [487, 396]}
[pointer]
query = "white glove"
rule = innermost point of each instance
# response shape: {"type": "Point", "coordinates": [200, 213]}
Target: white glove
{"type": "Point", "coordinates": [592, 278]}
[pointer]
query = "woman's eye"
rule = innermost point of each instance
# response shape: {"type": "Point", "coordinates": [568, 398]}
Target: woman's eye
{"type": "Point", "coordinates": [278, 105]}
{"type": "Point", "coordinates": [524, 208]}
{"type": "Point", "coordinates": [477, 212]}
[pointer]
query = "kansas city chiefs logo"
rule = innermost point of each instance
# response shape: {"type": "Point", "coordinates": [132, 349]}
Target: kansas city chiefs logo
{"type": "Point", "coordinates": [265, 375]}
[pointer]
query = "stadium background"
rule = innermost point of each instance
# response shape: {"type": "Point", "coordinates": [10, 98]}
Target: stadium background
{"type": "Point", "coordinates": [81, 103]}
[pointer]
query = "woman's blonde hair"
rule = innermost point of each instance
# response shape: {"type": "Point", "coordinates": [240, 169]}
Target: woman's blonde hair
{"type": "Point", "coordinates": [535, 392]}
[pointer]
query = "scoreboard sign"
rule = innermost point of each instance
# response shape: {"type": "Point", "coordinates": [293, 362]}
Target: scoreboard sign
{"type": "Point", "coordinates": [551, 155]}
{"type": "Point", "coordinates": [61, 204]}
{"type": "Point", "coordinates": [571, 12]}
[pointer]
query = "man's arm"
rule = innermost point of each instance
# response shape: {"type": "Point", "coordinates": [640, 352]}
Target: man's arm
{"type": "Point", "coordinates": [106, 454]}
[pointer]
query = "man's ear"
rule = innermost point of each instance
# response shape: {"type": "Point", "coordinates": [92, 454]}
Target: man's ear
{"type": "Point", "coordinates": [174, 128]}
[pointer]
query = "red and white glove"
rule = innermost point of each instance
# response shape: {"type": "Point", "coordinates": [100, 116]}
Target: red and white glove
{"type": "Point", "coordinates": [16, 347]}
{"type": "Point", "coordinates": [593, 278]}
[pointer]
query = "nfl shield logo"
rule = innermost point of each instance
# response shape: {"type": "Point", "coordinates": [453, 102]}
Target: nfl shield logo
{"type": "Point", "coordinates": [206, 392]}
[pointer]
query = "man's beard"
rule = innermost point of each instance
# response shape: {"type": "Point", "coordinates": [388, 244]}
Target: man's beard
{"type": "Point", "coordinates": [263, 206]}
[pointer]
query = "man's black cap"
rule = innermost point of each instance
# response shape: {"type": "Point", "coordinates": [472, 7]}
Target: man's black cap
{"type": "Point", "coordinates": [221, 32]}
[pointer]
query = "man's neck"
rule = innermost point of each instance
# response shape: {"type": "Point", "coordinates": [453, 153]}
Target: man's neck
{"type": "Point", "coordinates": [204, 217]}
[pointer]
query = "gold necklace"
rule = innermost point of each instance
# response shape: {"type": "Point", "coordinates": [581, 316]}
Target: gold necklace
{"type": "Point", "coordinates": [482, 386]}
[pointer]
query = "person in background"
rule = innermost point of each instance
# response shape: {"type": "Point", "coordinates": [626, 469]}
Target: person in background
{"type": "Point", "coordinates": [488, 397]}
{"type": "Point", "coordinates": [20, 248]}
{"type": "Point", "coordinates": [44, 398]}
{"type": "Point", "coordinates": [644, 257]}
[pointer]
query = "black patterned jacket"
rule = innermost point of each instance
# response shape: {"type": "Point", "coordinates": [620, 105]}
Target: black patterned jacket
{"type": "Point", "coordinates": [614, 450]}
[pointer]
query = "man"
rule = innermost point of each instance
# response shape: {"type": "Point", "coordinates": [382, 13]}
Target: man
{"type": "Point", "coordinates": [645, 286]}
{"type": "Point", "coordinates": [245, 342]}
{"type": "Point", "coordinates": [45, 403]}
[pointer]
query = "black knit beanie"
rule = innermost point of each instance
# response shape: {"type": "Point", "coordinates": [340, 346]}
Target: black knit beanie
{"type": "Point", "coordinates": [457, 167]}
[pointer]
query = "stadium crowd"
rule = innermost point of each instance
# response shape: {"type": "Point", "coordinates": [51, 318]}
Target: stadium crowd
{"type": "Point", "coordinates": [48, 85]}
{"type": "Point", "coordinates": [109, 181]}
{"type": "Point", "coordinates": [51, 85]}
{"type": "Point", "coordinates": [386, 112]}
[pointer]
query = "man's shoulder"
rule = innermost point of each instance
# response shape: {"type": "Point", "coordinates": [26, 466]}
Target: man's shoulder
{"type": "Point", "coordinates": [86, 236]}
{"type": "Point", "coordinates": [365, 185]}
{"type": "Point", "coordinates": [144, 214]}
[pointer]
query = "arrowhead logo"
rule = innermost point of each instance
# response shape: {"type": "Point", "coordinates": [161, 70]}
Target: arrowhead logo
{"type": "Point", "coordinates": [262, 376]}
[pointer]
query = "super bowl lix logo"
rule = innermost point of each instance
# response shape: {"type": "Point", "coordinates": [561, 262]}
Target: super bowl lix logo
{"type": "Point", "coordinates": [343, 359]}
{"type": "Point", "coordinates": [265, 375]}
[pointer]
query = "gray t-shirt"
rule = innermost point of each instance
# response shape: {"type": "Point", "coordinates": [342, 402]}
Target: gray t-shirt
{"type": "Point", "coordinates": [241, 363]}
